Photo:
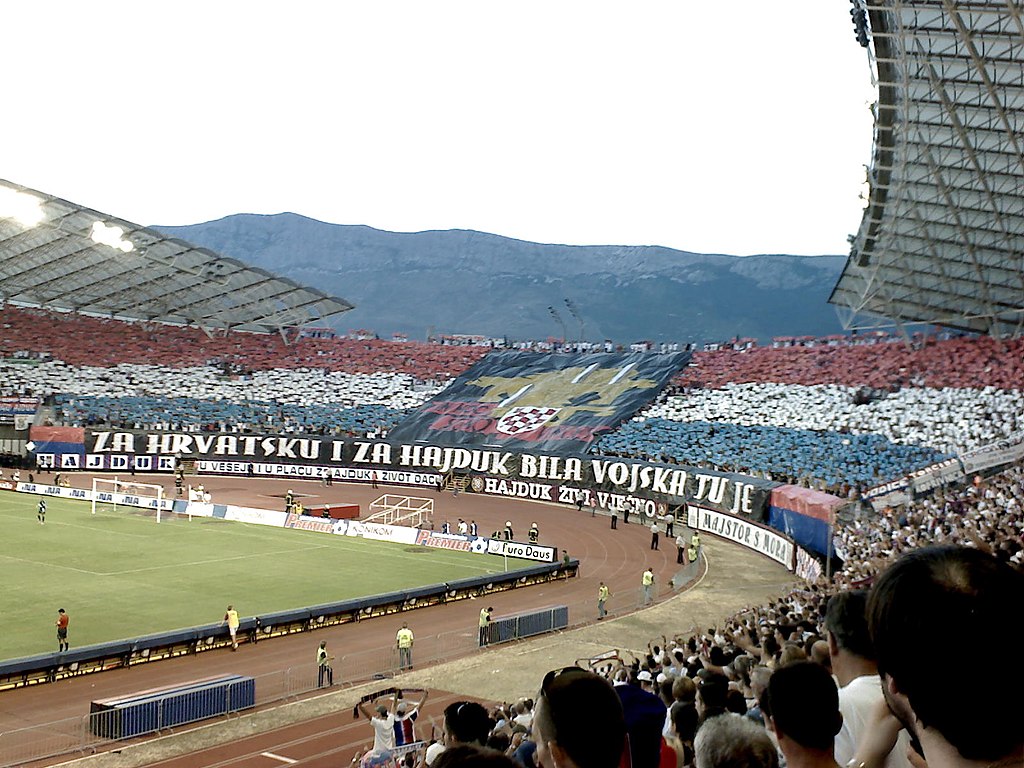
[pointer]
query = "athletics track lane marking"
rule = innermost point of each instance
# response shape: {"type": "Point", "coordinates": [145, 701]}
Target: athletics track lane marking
{"type": "Point", "coordinates": [283, 759]}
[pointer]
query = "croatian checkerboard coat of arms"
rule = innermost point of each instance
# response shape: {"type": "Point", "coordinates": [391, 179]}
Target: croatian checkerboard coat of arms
{"type": "Point", "coordinates": [522, 419]}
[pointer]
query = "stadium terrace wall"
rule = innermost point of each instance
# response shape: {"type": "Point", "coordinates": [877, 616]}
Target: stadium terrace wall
{"type": "Point", "coordinates": [606, 482]}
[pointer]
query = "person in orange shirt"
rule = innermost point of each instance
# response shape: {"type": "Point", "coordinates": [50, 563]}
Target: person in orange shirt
{"type": "Point", "coordinates": [62, 630]}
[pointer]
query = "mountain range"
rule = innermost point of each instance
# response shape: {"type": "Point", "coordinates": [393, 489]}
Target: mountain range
{"type": "Point", "coordinates": [461, 281]}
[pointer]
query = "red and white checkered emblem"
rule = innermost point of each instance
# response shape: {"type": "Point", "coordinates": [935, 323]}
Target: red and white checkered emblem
{"type": "Point", "coordinates": [524, 419]}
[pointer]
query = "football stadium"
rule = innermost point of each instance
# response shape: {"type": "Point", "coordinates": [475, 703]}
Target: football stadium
{"type": "Point", "coordinates": [233, 538]}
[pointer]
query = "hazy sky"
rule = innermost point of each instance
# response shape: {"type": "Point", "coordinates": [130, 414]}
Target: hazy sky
{"type": "Point", "coordinates": [723, 127]}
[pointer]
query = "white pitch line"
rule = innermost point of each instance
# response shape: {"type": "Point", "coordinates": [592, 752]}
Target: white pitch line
{"type": "Point", "coordinates": [213, 560]}
{"type": "Point", "coordinates": [50, 565]}
{"type": "Point", "coordinates": [282, 758]}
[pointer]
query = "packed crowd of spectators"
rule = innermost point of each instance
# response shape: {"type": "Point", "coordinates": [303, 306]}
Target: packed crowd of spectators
{"type": "Point", "coordinates": [81, 341]}
{"type": "Point", "coordinates": [831, 416]}
{"type": "Point", "coordinates": [823, 460]}
{"type": "Point", "coordinates": [853, 412]}
{"type": "Point", "coordinates": [988, 514]}
{"type": "Point", "coordinates": [884, 364]}
{"type": "Point", "coordinates": [949, 420]}
{"type": "Point", "coordinates": [189, 399]}
{"type": "Point", "coordinates": [850, 672]}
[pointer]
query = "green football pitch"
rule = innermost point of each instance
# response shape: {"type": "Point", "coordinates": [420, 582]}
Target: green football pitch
{"type": "Point", "coordinates": [119, 574]}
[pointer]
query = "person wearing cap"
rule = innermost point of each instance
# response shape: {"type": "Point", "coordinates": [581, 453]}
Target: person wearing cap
{"type": "Point", "coordinates": [508, 530]}
{"type": "Point", "coordinates": [405, 720]}
{"type": "Point", "coordinates": [534, 533]}
{"type": "Point", "coordinates": [383, 722]}
{"type": "Point", "coordinates": [645, 716]}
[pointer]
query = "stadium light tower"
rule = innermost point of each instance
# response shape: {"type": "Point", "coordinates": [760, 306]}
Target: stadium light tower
{"type": "Point", "coordinates": [559, 320]}
{"type": "Point", "coordinates": [26, 209]}
{"type": "Point", "coordinates": [576, 314]}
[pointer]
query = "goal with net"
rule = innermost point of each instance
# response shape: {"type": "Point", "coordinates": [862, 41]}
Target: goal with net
{"type": "Point", "coordinates": [110, 493]}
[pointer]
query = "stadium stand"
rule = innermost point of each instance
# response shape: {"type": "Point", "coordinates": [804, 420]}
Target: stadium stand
{"type": "Point", "coordinates": [81, 340]}
{"type": "Point", "coordinates": [885, 362]}
{"type": "Point", "coordinates": [833, 415]}
{"type": "Point", "coordinates": [890, 409]}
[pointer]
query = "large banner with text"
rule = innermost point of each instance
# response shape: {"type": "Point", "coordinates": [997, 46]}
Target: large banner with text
{"type": "Point", "coordinates": [540, 403]}
{"type": "Point", "coordinates": [605, 482]}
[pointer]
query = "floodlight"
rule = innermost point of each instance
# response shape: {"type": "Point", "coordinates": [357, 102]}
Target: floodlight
{"type": "Point", "coordinates": [110, 235]}
{"type": "Point", "coordinates": [24, 208]}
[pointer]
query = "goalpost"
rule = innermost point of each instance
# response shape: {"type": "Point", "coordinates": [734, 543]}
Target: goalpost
{"type": "Point", "coordinates": [400, 510]}
{"type": "Point", "coordinates": [107, 492]}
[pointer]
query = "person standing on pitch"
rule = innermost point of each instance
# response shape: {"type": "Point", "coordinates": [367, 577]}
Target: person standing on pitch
{"type": "Point", "coordinates": [41, 512]}
{"type": "Point", "coordinates": [231, 619]}
{"type": "Point", "coordinates": [323, 666]}
{"type": "Point", "coordinates": [62, 630]}
{"type": "Point", "coordinates": [404, 640]}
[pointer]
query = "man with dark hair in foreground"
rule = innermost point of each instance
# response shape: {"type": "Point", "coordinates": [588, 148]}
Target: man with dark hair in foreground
{"type": "Point", "coordinates": [801, 707]}
{"type": "Point", "coordinates": [928, 602]}
{"type": "Point", "coordinates": [853, 663]}
{"type": "Point", "coordinates": [578, 721]}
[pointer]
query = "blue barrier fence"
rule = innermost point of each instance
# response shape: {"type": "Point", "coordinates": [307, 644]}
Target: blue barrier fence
{"type": "Point", "coordinates": [151, 711]}
{"type": "Point", "coordinates": [520, 625]}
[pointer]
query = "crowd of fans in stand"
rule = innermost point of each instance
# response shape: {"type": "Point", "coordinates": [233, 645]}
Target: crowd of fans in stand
{"type": "Point", "coordinates": [834, 415]}
{"type": "Point", "coordinates": [853, 672]}
{"type": "Point", "coordinates": [988, 514]}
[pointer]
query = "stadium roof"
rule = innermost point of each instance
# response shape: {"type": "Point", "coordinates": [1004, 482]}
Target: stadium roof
{"type": "Point", "coordinates": [942, 237]}
{"type": "Point", "coordinates": [61, 256]}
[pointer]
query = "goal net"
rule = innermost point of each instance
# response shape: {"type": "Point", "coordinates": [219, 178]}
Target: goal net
{"type": "Point", "coordinates": [114, 495]}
